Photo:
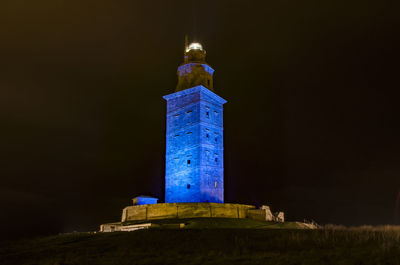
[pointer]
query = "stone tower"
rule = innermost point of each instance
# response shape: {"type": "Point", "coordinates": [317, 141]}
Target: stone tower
{"type": "Point", "coordinates": [194, 169]}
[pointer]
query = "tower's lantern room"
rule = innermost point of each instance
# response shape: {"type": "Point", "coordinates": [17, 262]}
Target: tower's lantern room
{"type": "Point", "coordinates": [194, 71]}
{"type": "Point", "coordinates": [195, 53]}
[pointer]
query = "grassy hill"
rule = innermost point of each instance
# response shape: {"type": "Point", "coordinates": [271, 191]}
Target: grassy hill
{"type": "Point", "coordinates": [218, 223]}
{"type": "Point", "coordinates": [201, 243]}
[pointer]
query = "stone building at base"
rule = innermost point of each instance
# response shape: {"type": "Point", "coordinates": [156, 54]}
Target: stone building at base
{"type": "Point", "coordinates": [151, 212]}
{"type": "Point", "coordinates": [184, 210]}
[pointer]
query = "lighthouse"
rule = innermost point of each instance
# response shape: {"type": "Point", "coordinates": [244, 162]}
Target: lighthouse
{"type": "Point", "coordinates": [194, 160]}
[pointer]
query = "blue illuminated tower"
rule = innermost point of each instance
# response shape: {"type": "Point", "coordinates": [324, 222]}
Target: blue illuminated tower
{"type": "Point", "coordinates": [194, 169]}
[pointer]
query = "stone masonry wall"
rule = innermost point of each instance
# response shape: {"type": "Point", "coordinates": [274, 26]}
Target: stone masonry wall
{"type": "Point", "coordinates": [194, 160]}
{"type": "Point", "coordinates": [184, 210]}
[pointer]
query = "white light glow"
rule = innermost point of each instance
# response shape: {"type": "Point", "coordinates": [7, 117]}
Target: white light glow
{"type": "Point", "coordinates": [194, 46]}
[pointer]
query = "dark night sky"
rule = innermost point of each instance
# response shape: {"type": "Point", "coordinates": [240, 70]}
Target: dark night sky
{"type": "Point", "coordinates": [311, 124]}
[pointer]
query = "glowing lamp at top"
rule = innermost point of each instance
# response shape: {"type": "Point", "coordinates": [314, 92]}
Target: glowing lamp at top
{"type": "Point", "coordinates": [194, 46]}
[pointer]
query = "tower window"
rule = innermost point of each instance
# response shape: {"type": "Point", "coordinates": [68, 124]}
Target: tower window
{"type": "Point", "coordinates": [208, 82]}
{"type": "Point", "coordinates": [216, 139]}
{"type": "Point", "coordinates": [216, 160]}
{"type": "Point", "coordinates": [188, 186]}
{"type": "Point", "coordinates": [188, 162]}
{"type": "Point", "coordinates": [208, 114]}
{"type": "Point", "coordinates": [207, 136]}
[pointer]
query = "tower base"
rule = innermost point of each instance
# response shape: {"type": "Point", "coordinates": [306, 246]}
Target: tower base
{"type": "Point", "coordinates": [142, 216]}
{"type": "Point", "coordinates": [184, 210]}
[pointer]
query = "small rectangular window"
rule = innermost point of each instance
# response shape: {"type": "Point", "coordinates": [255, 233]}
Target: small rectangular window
{"type": "Point", "coordinates": [176, 135]}
{"type": "Point", "coordinates": [208, 114]}
{"type": "Point", "coordinates": [189, 111]}
{"type": "Point", "coordinates": [188, 132]}
{"type": "Point", "coordinates": [176, 115]}
{"type": "Point", "coordinates": [188, 186]}
{"type": "Point", "coordinates": [188, 162]}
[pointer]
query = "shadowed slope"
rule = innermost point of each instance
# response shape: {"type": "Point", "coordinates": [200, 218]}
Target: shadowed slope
{"type": "Point", "coordinates": [209, 246]}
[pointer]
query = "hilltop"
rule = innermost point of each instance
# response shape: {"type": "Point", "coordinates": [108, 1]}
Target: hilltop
{"type": "Point", "coordinates": [201, 242]}
{"type": "Point", "coordinates": [222, 223]}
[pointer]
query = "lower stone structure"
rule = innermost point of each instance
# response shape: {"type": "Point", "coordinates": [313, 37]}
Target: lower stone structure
{"type": "Point", "coordinates": [148, 212]}
{"type": "Point", "coordinates": [279, 217]}
{"type": "Point", "coordinates": [141, 200]}
{"type": "Point", "coordinates": [116, 227]}
{"type": "Point", "coordinates": [265, 214]}
{"type": "Point", "coordinates": [110, 227]}
{"type": "Point", "coordinates": [184, 210]}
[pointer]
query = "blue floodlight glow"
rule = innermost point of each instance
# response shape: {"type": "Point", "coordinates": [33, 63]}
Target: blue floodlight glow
{"type": "Point", "coordinates": [142, 200]}
{"type": "Point", "coordinates": [194, 161]}
{"type": "Point", "coordinates": [188, 68]}
{"type": "Point", "coordinates": [208, 69]}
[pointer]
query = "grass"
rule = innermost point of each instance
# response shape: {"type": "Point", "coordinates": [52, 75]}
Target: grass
{"type": "Point", "coordinates": [219, 223]}
{"type": "Point", "coordinates": [330, 245]}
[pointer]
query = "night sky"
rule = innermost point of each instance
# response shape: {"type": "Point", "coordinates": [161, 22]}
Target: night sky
{"type": "Point", "coordinates": [311, 124]}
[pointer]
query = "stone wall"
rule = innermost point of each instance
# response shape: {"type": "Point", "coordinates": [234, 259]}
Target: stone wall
{"type": "Point", "coordinates": [110, 227]}
{"type": "Point", "coordinates": [265, 214]}
{"type": "Point", "coordinates": [184, 210]}
{"type": "Point", "coordinates": [279, 217]}
{"type": "Point", "coordinates": [257, 214]}
{"type": "Point", "coordinates": [194, 168]}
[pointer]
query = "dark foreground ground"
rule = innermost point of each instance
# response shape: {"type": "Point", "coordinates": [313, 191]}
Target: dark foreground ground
{"type": "Point", "coordinates": [211, 246]}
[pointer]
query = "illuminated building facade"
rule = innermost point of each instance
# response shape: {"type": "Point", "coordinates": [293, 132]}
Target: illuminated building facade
{"type": "Point", "coordinates": [194, 134]}
{"type": "Point", "coordinates": [194, 171]}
